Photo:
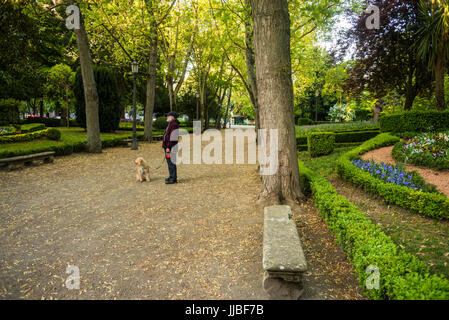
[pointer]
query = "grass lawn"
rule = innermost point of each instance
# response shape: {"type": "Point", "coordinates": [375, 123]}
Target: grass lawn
{"type": "Point", "coordinates": [336, 127]}
{"type": "Point", "coordinates": [71, 138]}
{"type": "Point", "coordinates": [426, 238]}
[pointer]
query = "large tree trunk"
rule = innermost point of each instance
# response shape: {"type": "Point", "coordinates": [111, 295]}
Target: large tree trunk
{"type": "Point", "coordinates": [378, 107]}
{"type": "Point", "coordinates": [151, 87]}
{"type": "Point", "coordinates": [440, 68]}
{"type": "Point", "coordinates": [90, 91]}
{"type": "Point", "coordinates": [410, 93]}
{"type": "Point", "coordinates": [275, 97]}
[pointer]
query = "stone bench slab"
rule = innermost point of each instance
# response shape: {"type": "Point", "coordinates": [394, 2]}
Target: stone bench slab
{"type": "Point", "coordinates": [282, 250]}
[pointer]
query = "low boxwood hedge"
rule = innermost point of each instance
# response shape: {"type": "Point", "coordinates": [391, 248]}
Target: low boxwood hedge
{"type": "Point", "coordinates": [31, 127]}
{"type": "Point", "coordinates": [321, 143]}
{"type": "Point", "coordinates": [401, 276]}
{"type": "Point", "coordinates": [7, 130]}
{"type": "Point", "coordinates": [428, 204]}
{"type": "Point", "coordinates": [23, 136]}
{"type": "Point", "coordinates": [346, 136]}
{"type": "Point", "coordinates": [305, 122]}
{"type": "Point", "coordinates": [415, 121]}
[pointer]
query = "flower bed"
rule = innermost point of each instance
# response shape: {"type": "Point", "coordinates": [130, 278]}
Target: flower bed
{"type": "Point", "coordinates": [5, 131]}
{"type": "Point", "coordinates": [427, 149]}
{"type": "Point", "coordinates": [402, 275]}
{"type": "Point", "coordinates": [425, 203]}
{"type": "Point", "coordinates": [395, 175]}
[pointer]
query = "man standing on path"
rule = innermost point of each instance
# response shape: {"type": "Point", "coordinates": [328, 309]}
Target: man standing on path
{"type": "Point", "coordinates": [169, 143]}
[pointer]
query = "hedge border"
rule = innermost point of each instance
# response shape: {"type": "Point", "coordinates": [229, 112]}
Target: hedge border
{"type": "Point", "coordinates": [23, 137]}
{"type": "Point", "coordinates": [402, 275]}
{"type": "Point", "coordinates": [320, 143]}
{"type": "Point", "coordinates": [345, 136]}
{"type": "Point", "coordinates": [427, 204]}
{"type": "Point", "coordinates": [415, 121]}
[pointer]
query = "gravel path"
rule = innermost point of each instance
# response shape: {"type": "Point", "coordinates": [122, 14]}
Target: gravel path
{"type": "Point", "coordinates": [199, 239]}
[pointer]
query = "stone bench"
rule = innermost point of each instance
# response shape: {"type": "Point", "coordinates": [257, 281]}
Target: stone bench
{"type": "Point", "coordinates": [128, 142]}
{"type": "Point", "coordinates": [283, 258]}
{"type": "Point", "coordinates": [46, 157]}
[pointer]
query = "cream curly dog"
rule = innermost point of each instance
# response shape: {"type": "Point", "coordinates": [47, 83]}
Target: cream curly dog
{"type": "Point", "coordinates": [143, 170]}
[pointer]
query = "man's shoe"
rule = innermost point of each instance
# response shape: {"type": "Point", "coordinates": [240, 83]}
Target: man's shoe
{"type": "Point", "coordinates": [167, 179]}
{"type": "Point", "coordinates": [171, 181]}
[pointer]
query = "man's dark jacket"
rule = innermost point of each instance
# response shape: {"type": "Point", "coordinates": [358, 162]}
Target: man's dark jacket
{"type": "Point", "coordinates": [169, 133]}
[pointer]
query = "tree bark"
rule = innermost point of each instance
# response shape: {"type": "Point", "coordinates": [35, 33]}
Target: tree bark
{"type": "Point", "coordinates": [378, 107]}
{"type": "Point", "coordinates": [151, 85]}
{"type": "Point", "coordinates": [275, 97]}
{"type": "Point", "coordinates": [90, 90]}
{"type": "Point", "coordinates": [440, 68]}
{"type": "Point", "coordinates": [251, 69]}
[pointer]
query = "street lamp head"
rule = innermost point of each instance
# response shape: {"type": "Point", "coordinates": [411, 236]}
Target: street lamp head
{"type": "Point", "coordinates": [197, 95]}
{"type": "Point", "coordinates": [135, 67]}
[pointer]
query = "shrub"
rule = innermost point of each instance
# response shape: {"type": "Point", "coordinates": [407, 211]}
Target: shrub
{"type": "Point", "coordinates": [160, 123]}
{"type": "Point", "coordinates": [9, 111]}
{"type": "Point", "coordinates": [320, 143]}
{"type": "Point", "coordinates": [54, 134]}
{"type": "Point", "coordinates": [415, 121]}
{"type": "Point", "coordinates": [428, 204]}
{"type": "Point", "coordinates": [305, 122]}
{"type": "Point", "coordinates": [403, 276]}
{"type": "Point", "coordinates": [24, 136]}
{"type": "Point", "coordinates": [25, 128]}
{"type": "Point", "coordinates": [8, 130]}
{"type": "Point", "coordinates": [109, 99]}
{"type": "Point", "coordinates": [341, 113]}
{"type": "Point", "coordinates": [48, 122]}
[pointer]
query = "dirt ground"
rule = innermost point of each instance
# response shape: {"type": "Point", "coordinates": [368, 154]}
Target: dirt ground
{"type": "Point", "coordinates": [199, 239]}
{"type": "Point", "coordinates": [439, 178]}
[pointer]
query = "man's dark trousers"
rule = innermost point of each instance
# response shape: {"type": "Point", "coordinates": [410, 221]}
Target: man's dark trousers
{"type": "Point", "coordinates": [172, 169]}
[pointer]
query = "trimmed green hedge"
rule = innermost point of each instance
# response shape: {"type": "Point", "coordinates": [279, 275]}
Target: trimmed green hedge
{"type": "Point", "coordinates": [321, 143]}
{"type": "Point", "coordinates": [415, 121]}
{"type": "Point", "coordinates": [305, 122]}
{"type": "Point", "coordinates": [402, 276]}
{"type": "Point", "coordinates": [428, 204]}
{"type": "Point", "coordinates": [31, 127]}
{"type": "Point", "coordinates": [24, 136]}
{"type": "Point", "coordinates": [346, 136]}
{"type": "Point", "coordinates": [7, 130]}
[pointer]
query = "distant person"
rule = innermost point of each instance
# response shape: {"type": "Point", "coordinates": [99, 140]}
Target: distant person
{"type": "Point", "coordinates": [170, 146]}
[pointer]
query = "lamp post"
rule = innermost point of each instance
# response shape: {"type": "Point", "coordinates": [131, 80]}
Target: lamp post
{"type": "Point", "coordinates": [135, 70]}
{"type": "Point", "coordinates": [197, 105]}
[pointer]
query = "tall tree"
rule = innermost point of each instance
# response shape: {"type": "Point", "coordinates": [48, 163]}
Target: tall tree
{"type": "Point", "coordinates": [433, 41]}
{"type": "Point", "coordinates": [385, 59]}
{"type": "Point", "coordinates": [275, 97]}
{"type": "Point", "coordinates": [90, 89]}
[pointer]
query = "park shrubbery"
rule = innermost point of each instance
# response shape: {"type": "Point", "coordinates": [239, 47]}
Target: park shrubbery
{"type": "Point", "coordinates": [9, 111]}
{"type": "Point", "coordinates": [23, 137]}
{"type": "Point", "coordinates": [427, 149]}
{"type": "Point", "coordinates": [428, 204]}
{"type": "Point", "coordinates": [7, 130]}
{"type": "Point", "coordinates": [305, 122]}
{"type": "Point", "coordinates": [320, 143]}
{"type": "Point", "coordinates": [160, 123]}
{"type": "Point", "coordinates": [54, 134]}
{"type": "Point", "coordinates": [415, 121]}
{"type": "Point", "coordinates": [25, 128]}
{"type": "Point", "coordinates": [402, 276]}
{"type": "Point", "coordinates": [109, 99]}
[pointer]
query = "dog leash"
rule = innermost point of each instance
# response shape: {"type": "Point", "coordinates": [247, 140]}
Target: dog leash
{"type": "Point", "coordinates": [157, 168]}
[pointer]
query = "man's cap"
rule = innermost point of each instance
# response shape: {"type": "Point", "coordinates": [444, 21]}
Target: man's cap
{"type": "Point", "coordinates": [172, 113]}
